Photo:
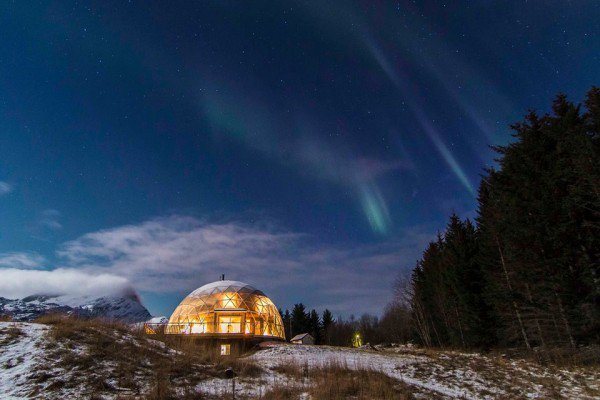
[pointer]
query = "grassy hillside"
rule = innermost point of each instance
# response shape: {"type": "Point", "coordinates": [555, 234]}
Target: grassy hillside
{"type": "Point", "coordinates": [59, 358]}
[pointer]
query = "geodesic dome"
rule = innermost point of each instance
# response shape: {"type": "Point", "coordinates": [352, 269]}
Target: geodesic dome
{"type": "Point", "coordinates": [227, 309]}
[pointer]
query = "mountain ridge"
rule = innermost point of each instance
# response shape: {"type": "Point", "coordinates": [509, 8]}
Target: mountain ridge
{"type": "Point", "coordinates": [127, 307]}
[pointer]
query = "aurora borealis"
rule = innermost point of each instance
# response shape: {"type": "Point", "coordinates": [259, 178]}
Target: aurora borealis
{"type": "Point", "coordinates": [322, 142]}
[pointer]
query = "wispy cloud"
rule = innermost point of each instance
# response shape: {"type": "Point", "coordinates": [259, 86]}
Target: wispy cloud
{"type": "Point", "coordinates": [5, 188]}
{"type": "Point", "coordinates": [176, 254]}
{"type": "Point", "coordinates": [46, 224]}
{"type": "Point", "coordinates": [21, 260]}
{"type": "Point", "coordinates": [50, 219]}
{"type": "Point", "coordinates": [19, 283]}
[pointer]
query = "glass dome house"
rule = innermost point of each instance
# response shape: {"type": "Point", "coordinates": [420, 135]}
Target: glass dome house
{"type": "Point", "coordinates": [228, 312]}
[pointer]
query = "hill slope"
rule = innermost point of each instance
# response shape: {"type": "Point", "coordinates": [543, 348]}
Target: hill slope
{"type": "Point", "coordinates": [92, 360]}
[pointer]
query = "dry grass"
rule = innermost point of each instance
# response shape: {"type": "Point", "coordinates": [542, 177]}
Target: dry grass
{"type": "Point", "coordinates": [291, 370]}
{"type": "Point", "coordinates": [107, 357]}
{"type": "Point", "coordinates": [101, 359]}
{"type": "Point", "coordinates": [567, 357]}
{"type": "Point", "coordinates": [286, 392]}
{"type": "Point", "coordinates": [337, 381]}
{"type": "Point", "coordinates": [10, 334]}
{"type": "Point", "coordinates": [511, 372]}
{"type": "Point", "coordinates": [210, 356]}
{"type": "Point", "coordinates": [5, 318]}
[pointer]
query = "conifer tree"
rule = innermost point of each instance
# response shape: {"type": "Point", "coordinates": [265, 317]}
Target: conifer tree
{"type": "Point", "coordinates": [327, 324]}
{"type": "Point", "coordinates": [287, 319]}
{"type": "Point", "coordinates": [314, 324]}
{"type": "Point", "coordinates": [299, 320]}
{"type": "Point", "coordinates": [528, 273]}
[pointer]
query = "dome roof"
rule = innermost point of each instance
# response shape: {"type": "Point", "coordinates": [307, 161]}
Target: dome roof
{"type": "Point", "coordinates": [224, 286]}
{"type": "Point", "coordinates": [227, 308]}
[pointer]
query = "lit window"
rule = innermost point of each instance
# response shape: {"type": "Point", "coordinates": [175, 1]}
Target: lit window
{"type": "Point", "coordinates": [199, 327]}
{"type": "Point", "coordinates": [229, 300]}
{"type": "Point", "coordinates": [230, 324]}
{"type": "Point", "coordinates": [225, 349]}
{"type": "Point", "coordinates": [268, 329]}
{"type": "Point", "coordinates": [249, 328]}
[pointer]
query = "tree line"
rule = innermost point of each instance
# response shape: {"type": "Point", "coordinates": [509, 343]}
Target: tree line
{"type": "Point", "coordinates": [327, 330]}
{"type": "Point", "coordinates": [525, 272]}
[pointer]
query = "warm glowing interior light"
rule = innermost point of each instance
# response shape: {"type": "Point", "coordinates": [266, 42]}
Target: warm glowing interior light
{"type": "Point", "coordinates": [199, 327]}
{"type": "Point", "coordinates": [229, 300]}
{"type": "Point", "coordinates": [225, 349]}
{"type": "Point", "coordinates": [230, 324]}
{"type": "Point", "coordinates": [233, 309]}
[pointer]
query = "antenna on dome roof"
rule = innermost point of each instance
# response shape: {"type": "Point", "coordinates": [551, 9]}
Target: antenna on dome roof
{"type": "Point", "coordinates": [222, 277]}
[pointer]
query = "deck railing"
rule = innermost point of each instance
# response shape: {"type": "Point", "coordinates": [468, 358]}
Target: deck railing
{"type": "Point", "coordinates": [189, 328]}
{"type": "Point", "coordinates": [182, 329]}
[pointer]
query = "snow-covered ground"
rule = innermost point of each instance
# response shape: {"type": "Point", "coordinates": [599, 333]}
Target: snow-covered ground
{"type": "Point", "coordinates": [444, 375]}
{"type": "Point", "coordinates": [26, 357]}
{"type": "Point", "coordinates": [20, 352]}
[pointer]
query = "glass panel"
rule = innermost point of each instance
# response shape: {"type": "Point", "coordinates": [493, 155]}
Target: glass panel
{"type": "Point", "coordinates": [249, 326]}
{"type": "Point", "coordinates": [196, 314]}
{"type": "Point", "coordinates": [199, 327]}
{"type": "Point", "coordinates": [230, 300]}
{"type": "Point", "coordinates": [230, 324]}
{"type": "Point", "coordinates": [225, 349]}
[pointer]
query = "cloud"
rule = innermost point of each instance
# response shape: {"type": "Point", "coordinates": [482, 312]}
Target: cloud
{"type": "Point", "coordinates": [46, 224]}
{"type": "Point", "coordinates": [21, 260]}
{"type": "Point", "coordinates": [49, 219]}
{"type": "Point", "coordinates": [176, 254]}
{"type": "Point", "coordinates": [19, 283]}
{"type": "Point", "coordinates": [5, 188]}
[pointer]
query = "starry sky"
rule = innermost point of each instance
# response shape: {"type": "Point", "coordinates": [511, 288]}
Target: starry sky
{"type": "Point", "coordinates": [309, 148]}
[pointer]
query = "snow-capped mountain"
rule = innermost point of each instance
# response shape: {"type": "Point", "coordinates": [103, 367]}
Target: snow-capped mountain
{"type": "Point", "coordinates": [125, 308]}
{"type": "Point", "coordinates": [158, 320]}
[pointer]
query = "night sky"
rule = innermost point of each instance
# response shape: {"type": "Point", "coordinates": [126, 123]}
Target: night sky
{"type": "Point", "coordinates": [311, 149]}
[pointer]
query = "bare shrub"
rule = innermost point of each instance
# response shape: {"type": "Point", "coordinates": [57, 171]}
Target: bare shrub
{"type": "Point", "coordinates": [11, 334]}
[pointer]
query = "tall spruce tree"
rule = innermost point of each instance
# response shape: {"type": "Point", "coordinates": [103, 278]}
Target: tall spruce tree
{"type": "Point", "coordinates": [287, 319]}
{"type": "Point", "coordinates": [315, 329]}
{"type": "Point", "coordinates": [299, 320]}
{"type": "Point", "coordinates": [538, 222]}
{"type": "Point", "coordinates": [528, 273]}
{"type": "Point", "coordinates": [327, 324]}
{"type": "Point", "coordinates": [448, 305]}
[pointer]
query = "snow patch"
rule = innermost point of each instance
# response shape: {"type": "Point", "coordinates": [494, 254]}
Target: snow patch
{"type": "Point", "coordinates": [19, 358]}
